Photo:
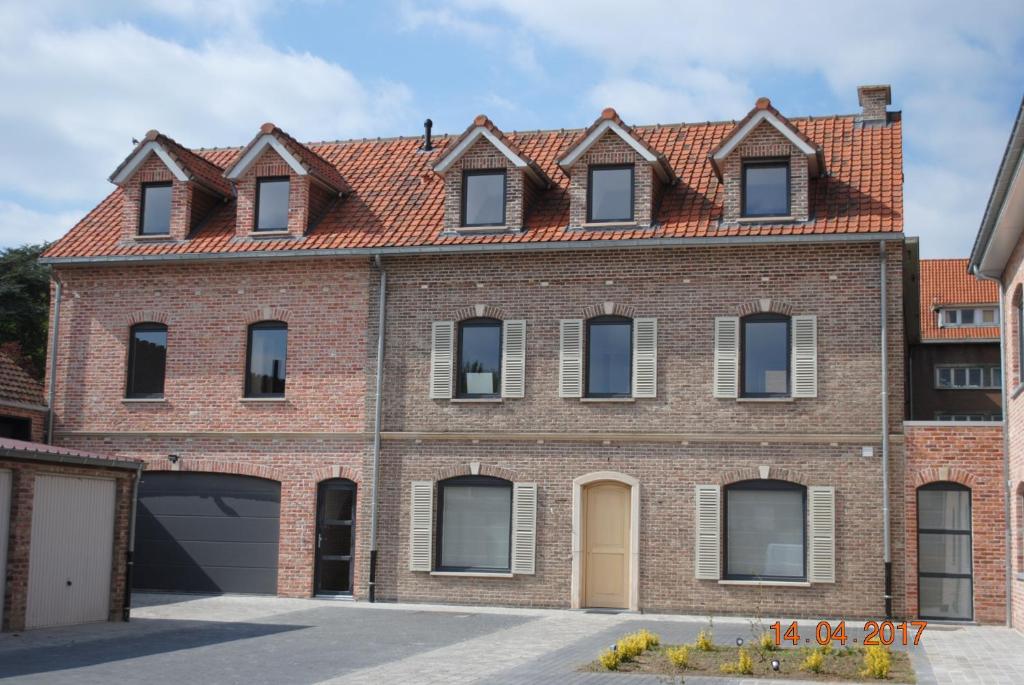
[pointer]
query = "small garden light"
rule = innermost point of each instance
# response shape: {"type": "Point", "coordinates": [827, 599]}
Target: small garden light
{"type": "Point", "coordinates": [739, 642]}
{"type": "Point", "coordinates": [614, 647]}
{"type": "Point", "coordinates": [775, 664]}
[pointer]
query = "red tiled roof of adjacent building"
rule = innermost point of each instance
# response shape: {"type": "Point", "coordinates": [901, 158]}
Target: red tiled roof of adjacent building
{"type": "Point", "coordinates": [29, 450]}
{"type": "Point", "coordinates": [947, 282]}
{"type": "Point", "coordinates": [16, 385]}
{"type": "Point", "coordinates": [397, 200]}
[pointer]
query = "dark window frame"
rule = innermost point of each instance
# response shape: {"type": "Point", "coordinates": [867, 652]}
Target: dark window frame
{"type": "Point", "coordinates": [263, 325]}
{"type": "Point", "coordinates": [504, 195]}
{"type": "Point", "coordinates": [149, 327]}
{"type": "Point", "coordinates": [259, 189]}
{"type": "Point", "coordinates": [321, 522]}
{"type": "Point", "coordinates": [479, 481]}
{"type": "Point", "coordinates": [765, 484]}
{"type": "Point", "coordinates": [1020, 337]}
{"type": "Point", "coordinates": [949, 486]}
{"type": "Point", "coordinates": [743, 354]}
{"type": "Point", "coordinates": [605, 320]}
{"type": "Point", "coordinates": [590, 193]}
{"type": "Point", "coordinates": [16, 427]}
{"type": "Point", "coordinates": [763, 163]}
{"type": "Point", "coordinates": [477, 322]}
{"type": "Point", "coordinates": [142, 207]}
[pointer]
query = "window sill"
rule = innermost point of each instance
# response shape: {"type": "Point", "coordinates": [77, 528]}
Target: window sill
{"type": "Point", "coordinates": [764, 399]}
{"type": "Point", "coordinates": [470, 574]}
{"type": "Point", "coordinates": [477, 400]}
{"type": "Point", "coordinates": [598, 400]}
{"type": "Point", "coordinates": [483, 229]}
{"type": "Point", "coordinates": [154, 236]}
{"type": "Point", "coordinates": [767, 583]}
{"type": "Point", "coordinates": [263, 399]}
{"type": "Point", "coordinates": [1017, 391]}
{"type": "Point", "coordinates": [610, 224]}
{"type": "Point", "coordinates": [143, 400]}
{"type": "Point", "coordinates": [270, 234]}
{"type": "Point", "coordinates": [765, 219]}
{"type": "Point", "coordinates": [1020, 577]}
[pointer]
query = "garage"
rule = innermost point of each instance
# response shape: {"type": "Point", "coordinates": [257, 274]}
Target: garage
{"type": "Point", "coordinates": [207, 533]}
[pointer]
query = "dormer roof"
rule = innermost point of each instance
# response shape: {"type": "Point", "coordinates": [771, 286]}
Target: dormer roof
{"type": "Point", "coordinates": [764, 112]}
{"type": "Point", "coordinates": [610, 121]}
{"type": "Point", "coordinates": [184, 164]}
{"type": "Point", "coordinates": [302, 160]}
{"type": "Point", "coordinates": [483, 127]}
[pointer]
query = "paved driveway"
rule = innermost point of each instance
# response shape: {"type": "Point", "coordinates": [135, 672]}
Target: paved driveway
{"type": "Point", "coordinates": [182, 639]}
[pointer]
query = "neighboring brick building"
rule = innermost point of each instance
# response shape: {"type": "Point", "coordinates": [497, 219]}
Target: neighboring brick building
{"type": "Point", "coordinates": [998, 254]}
{"type": "Point", "coordinates": [22, 407]}
{"type": "Point", "coordinates": [634, 367]}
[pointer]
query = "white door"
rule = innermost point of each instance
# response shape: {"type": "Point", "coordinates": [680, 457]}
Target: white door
{"type": "Point", "coordinates": [5, 513]}
{"type": "Point", "coordinates": [71, 551]}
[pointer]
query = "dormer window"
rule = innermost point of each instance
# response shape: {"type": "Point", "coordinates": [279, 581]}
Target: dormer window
{"type": "Point", "coordinates": [483, 197]}
{"type": "Point", "coordinates": [156, 209]}
{"type": "Point", "coordinates": [766, 188]}
{"type": "Point", "coordinates": [272, 203]}
{"type": "Point", "coordinates": [610, 193]}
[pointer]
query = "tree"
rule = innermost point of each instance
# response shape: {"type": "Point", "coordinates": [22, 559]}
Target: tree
{"type": "Point", "coordinates": [25, 303]}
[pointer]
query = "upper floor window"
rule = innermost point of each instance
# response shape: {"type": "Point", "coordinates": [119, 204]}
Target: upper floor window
{"type": "Point", "coordinates": [483, 198]}
{"type": "Point", "coordinates": [969, 316]}
{"type": "Point", "coordinates": [479, 358]}
{"type": "Point", "coordinates": [765, 340]}
{"type": "Point", "coordinates": [609, 361]}
{"type": "Point", "coordinates": [967, 377]}
{"type": "Point", "coordinates": [765, 530]}
{"type": "Point", "coordinates": [474, 524]}
{"type": "Point", "coordinates": [272, 203]}
{"type": "Point", "coordinates": [156, 209]}
{"type": "Point", "coordinates": [147, 361]}
{"type": "Point", "coordinates": [610, 193]}
{"type": "Point", "coordinates": [765, 188]}
{"type": "Point", "coordinates": [265, 360]}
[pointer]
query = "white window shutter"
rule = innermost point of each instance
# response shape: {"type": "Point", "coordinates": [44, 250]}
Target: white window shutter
{"type": "Point", "coordinates": [513, 359]}
{"type": "Point", "coordinates": [421, 506]}
{"type": "Point", "coordinates": [708, 532]}
{"type": "Point", "coordinates": [570, 358]}
{"type": "Point", "coordinates": [727, 357]}
{"type": "Point", "coordinates": [805, 356]}
{"type": "Point", "coordinates": [524, 528]}
{"type": "Point", "coordinates": [442, 359]}
{"type": "Point", "coordinates": [821, 515]}
{"type": "Point", "coordinates": [645, 358]}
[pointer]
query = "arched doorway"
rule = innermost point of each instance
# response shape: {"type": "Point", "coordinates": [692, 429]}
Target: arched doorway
{"type": "Point", "coordinates": [944, 564]}
{"type": "Point", "coordinates": [335, 535]}
{"type": "Point", "coordinates": [605, 541]}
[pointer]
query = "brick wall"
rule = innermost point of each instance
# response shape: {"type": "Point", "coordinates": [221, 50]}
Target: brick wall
{"type": "Point", "coordinates": [38, 419]}
{"type": "Point", "coordinates": [611, 149]}
{"type": "Point", "coordinates": [927, 400]}
{"type": "Point", "coordinates": [15, 582]}
{"type": "Point", "coordinates": [153, 170]}
{"type": "Point", "coordinates": [972, 456]}
{"type": "Point", "coordinates": [483, 155]}
{"type": "Point", "coordinates": [1013, 281]}
{"type": "Point", "coordinates": [765, 141]}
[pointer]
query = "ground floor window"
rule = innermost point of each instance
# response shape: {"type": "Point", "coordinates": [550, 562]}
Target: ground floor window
{"type": "Point", "coordinates": [474, 524]}
{"type": "Point", "coordinates": [764, 530]}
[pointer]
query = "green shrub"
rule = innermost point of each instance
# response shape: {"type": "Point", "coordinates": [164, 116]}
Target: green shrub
{"type": "Point", "coordinates": [813, 663]}
{"type": "Point", "coordinates": [877, 662]}
{"type": "Point", "coordinates": [766, 643]}
{"type": "Point", "coordinates": [609, 659]}
{"type": "Point", "coordinates": [679, 656]}
{"type": "Point", "coordinates": [630, 646]}
{"type": "Point", "coordinates": [744, 664]}
{"type": "Point", "coordinates": [705, 641]}
{"type": "Point", "coordinates": [826, 649]}
{"type": "Point", "coordinates": [650, 639]}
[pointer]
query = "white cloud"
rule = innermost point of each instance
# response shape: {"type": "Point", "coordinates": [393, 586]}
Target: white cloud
{"type": "Point", "coordinates": [20, 225]}
{"type": "Point", "coordinates": [705, 95]}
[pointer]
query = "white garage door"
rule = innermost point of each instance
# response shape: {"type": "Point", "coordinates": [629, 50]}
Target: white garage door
{"type": "Point", "coordinates": [71, 551]}
{"type": "Point", "coordinates": [5, 513]}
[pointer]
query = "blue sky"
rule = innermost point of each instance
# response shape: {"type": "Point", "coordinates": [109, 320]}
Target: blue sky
{"type": "Point", "coordinates": [80, 82]}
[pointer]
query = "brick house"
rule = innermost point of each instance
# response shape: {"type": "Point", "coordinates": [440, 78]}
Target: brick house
{"type": "Point", "coordinates": [625, 366]}
{"type": "Point", "coordinates": [22, 405]}
{"type": "Point", "coordinates": [998, 255]}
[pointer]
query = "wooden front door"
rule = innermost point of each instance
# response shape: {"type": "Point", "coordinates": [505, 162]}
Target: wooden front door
{"type": "Point", "coordinates": [606, 512]}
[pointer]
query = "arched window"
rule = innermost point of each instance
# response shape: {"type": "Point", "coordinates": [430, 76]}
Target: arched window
{"type": "Point", "coordinates": [765, 340]}
{"type": "Point", "coordinates": [474, 524]}
{"type": "Point", "coordinates": [479, 358]}
{"type": "Point", "coordinates": [609, 360]}
{"type": "Point", "coordinates": [765, 534]}
{"type": "Point", "coordinates": [147, 361]}
{"type": "Point", "coordinates": [265, 367]}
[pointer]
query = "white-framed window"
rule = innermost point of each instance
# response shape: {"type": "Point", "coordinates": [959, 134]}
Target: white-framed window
{"type": "Point", "coordinates": [968, 377]}
{"type": "Point", "coordinates": [968, 416]}
{"type": "Point", "coordinates": [965, 317]}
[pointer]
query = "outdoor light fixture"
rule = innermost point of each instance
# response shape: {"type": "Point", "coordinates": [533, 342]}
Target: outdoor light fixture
{"type": "Point", "coordinates": [775, 664]}
{"type": "Point", "coordinates": [739, 642]}
{"type": "Point", "coordinates": [173, 458]}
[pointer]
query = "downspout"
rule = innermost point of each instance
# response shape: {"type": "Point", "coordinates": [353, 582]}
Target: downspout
{"type": "Point", "coordinates": [377, 411]}
{"type": "Point", "coordinates": [1007, 494]}
{"type": "Point", "coordinates": [886, 537]}
{"type": "Point", "coordinates": [126, 610]}
{"type": "Point", "coordinates": [52, 391]}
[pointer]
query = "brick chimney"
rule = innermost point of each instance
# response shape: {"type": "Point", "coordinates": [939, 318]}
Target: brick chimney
{"type": "Point", "coordinates": [873, 101]}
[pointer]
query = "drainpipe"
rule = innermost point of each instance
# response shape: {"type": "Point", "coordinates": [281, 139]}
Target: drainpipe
{"type": "Point", "coordinates": [126, 610]}
{"type": "Point", "coordinates": [58, 296]}
{"type": "Point", "coordinates": [886, 542]}
{"type": "Point", "coordinates": [377, 411]}
{"type": "Point", "coordinates": [1007, 494]}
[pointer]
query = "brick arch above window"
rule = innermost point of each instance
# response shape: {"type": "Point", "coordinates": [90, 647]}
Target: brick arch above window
{"type": "Point", "coordinates": [336, 471]}
{"type": "Point", "coordinates": [480, 311]}
{"type": "Point", "coordinates": [609, 309]}
{"type": "Point", "coordinates": [762, 473]}
{"type": "Point", "coordinates": [765, 305]}
{"type": "Point", "coordinates": [475, 469]}
{"type": "Point", "coordinates": [237, 468]}
{"type": "Point", "coordinates": [268, 313]}
{"type": "Point", "coordinates": [943, 474]}
{"type": "Point", "coordinates": [148, 316]}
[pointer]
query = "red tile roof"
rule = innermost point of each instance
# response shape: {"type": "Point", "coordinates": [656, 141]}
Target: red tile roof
{"type": "Point", "coordinates": [397, 200]}
{"type": "Point", "coordinates": [609, 114]}
{"type": "Point", "coordinates": [16, 385]}
{"type": "Point", "coordinates": [482, 120]}
{"type": "Point", "coordinates": [28, 450]}
{"type": "Point", "coordinates": [310, 160]}
{"type": "Point", "coordinates": [764, 104]}
{"type": "Point", "coordinates": [197, 167]}
{"type": "Point", "coordinates": [947, 282]}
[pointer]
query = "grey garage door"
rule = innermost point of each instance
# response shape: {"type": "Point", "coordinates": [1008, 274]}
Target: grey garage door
{"type": "Point", "coordinates": [207, 532]}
